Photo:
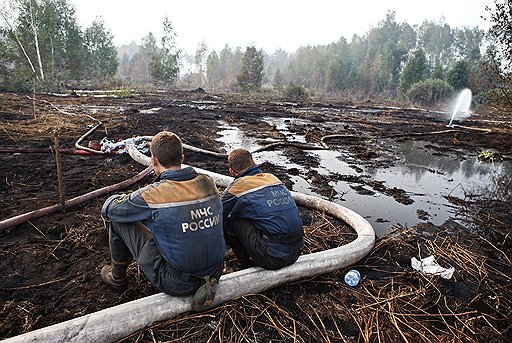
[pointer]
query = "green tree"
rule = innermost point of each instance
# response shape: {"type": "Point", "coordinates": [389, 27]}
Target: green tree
{"type": "Point", "coordinates": [16, 63]}
{"type": "Point", "coordinates": [229, 67]}
{"type": "Point", "coordinates": [101, 52]}
{"type": "Point", "coordinates": [388, 45]}
{"type": "Point", "coordinates": [501, 31]}
{"type": "Point", "coordinates": [303, 65]}
{"type": "Point", "coordinates": [124, 67]}
{"type": "Point", "coordinates": [498, 59]}
{"type": "Point", "coordinates": [339, 66]}
{"type": "Point", "coordinates": [416, 69]}
{"type": "Point", "coordinates": [468, 43]}
{"type": "Point", "coordinates": [438, 72]}
{"type": "Point", "coordinates": [164, 64]}
{"type": "Point", "coordinates": [212, 70]}
{"type": "Point", "coordinates": [278, 80]}
{"type": "Point", "coordinates": [278, 60]}
{"type": "Point", "coordinates": [62, 42]}
{"type": "Point", "coordinates": [436, 39]}
{"type": "Point", "coordinates": [358, 72]}
{"type": "Point", "coordinates": [458, 75]}
{"type": "Point", "coordinates": [251, 70]}
{"type": "Point", "coordinates": [73, 61]}
{"type": "Point", "coordinates": [142, 61]}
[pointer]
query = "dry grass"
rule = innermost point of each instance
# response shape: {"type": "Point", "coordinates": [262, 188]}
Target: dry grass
{"type": "Point", "coordinates": [393, 303]}
{"type": "Point", "coordinates": [39, 119]}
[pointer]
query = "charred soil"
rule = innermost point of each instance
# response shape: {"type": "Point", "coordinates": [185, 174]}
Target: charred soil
{"type": "Point", "coordinates": [50, 265]}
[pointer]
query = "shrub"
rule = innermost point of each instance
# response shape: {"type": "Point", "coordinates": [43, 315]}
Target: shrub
{"type": "Point", "coordinates": [295, 92]}
{"type": "Point", "coordinates": [483, 98]}
{"type": "Point", "coordinates": [429, 92]}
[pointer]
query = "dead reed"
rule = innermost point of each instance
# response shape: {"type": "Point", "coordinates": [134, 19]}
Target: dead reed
{"type": "Point", "coordinates": [392, 303]}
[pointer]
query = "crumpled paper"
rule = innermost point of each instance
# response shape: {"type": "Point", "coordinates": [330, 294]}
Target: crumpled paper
{"type": "Point", "coordinates": [428, 265]}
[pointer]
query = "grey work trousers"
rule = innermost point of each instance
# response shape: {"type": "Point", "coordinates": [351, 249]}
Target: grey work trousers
{"type": "Point", "coordinates": [135, 240]}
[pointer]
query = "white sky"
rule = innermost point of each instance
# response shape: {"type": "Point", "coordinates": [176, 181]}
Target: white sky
{"type": "Point", "coordinates": [268, 24]}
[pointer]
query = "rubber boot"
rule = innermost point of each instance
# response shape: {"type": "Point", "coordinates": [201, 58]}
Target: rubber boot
{"type": "Point", "coordinates": [114, 275]}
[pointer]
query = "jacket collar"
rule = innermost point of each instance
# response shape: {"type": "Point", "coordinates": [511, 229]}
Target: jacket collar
{"type": "Point", "coordinates": [182, 174]}
{"type": "Point", "coordinates": [252, 170]}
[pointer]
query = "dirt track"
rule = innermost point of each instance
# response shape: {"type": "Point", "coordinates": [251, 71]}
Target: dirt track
{"type": "Point", "coordinates": [51, 265]}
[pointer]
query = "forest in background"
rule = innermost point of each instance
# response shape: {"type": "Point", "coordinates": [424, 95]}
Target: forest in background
{"type": "Point", "coordinates": [42, 48]}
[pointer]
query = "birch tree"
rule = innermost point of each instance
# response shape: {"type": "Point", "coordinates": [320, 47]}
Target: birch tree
{"type": "Point", "coordinates": [48, 40]}
{"type": "Point", "coordinates": [6, 12]}
{"type": "Point", "coordinates": [34, 26]}
{"type": "Point", "coordinates": [200, 59]}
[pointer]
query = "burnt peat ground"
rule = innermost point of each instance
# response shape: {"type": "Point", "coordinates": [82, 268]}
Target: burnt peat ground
{"type": "Point", "coordinates": [50, 265]}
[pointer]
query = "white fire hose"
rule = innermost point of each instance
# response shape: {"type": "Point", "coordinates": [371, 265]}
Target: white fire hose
{"type": "Point", "coordinates": [114, 323]}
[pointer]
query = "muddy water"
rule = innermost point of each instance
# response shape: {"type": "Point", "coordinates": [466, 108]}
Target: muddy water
{"type": "Point", "coordinates": [425, 175]}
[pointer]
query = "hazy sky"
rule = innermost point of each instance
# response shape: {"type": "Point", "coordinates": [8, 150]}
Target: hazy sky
{"type": "Point", "coordinates": [268, 24]}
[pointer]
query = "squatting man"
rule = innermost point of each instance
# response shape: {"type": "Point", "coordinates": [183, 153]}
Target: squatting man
{"type": "Point", "coordinates": [172, 227]}
{"type": "Point", "coordinates": [262, 223]}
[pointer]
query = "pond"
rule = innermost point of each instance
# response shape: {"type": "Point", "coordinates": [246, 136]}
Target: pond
{"type": "Point", "coordinates": [417, 167]}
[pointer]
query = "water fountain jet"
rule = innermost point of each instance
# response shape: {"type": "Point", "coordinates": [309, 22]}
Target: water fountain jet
{"type": "Point", "coordinates": [462, 104]}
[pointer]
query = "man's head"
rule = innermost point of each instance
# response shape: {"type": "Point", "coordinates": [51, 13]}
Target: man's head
{"type": "Point", "coordinates": [166, 151]}
{"type": "Point", "coordinates": [239, 160]}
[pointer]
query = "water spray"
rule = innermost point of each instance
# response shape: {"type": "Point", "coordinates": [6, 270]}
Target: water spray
{"type": "Point", "coordinates": [462, 104]}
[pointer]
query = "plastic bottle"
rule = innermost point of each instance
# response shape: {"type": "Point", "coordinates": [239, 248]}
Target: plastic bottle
{"type": "Point", "coordinates": [352, 277]}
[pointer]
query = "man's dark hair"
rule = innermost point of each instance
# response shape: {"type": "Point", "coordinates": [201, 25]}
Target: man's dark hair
{"type": "Point", "coordinates": [167, 148]}
{"type": "Point", "coordinates": [239, 160]}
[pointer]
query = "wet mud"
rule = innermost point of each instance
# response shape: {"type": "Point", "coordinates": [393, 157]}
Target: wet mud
{"type": "Point", "coordinates": [50, 265]}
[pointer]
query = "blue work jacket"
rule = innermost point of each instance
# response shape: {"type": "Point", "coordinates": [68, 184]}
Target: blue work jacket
{"type": "Point", "coordinates": [183, 210]}
{"type": "Point", "coordinates": [264, 199]}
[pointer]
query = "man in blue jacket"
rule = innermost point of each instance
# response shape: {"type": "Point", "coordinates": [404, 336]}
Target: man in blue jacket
{"type": "Point", "coordinates": [172, 227]}
{"type": "Point", "coordinates": [262, 223]}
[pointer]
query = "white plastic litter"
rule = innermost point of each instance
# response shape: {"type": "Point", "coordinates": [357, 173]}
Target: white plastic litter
{"type": "Point", "coordinates": [428, 265]}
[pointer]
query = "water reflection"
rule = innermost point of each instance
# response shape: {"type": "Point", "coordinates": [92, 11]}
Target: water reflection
{"type": "Point", "coordinates": [418, 159]}
{"type": "Point", "coordinates": [282, 124]}
{"type": "Point", "coordinates": [426, 175]}
{"type": "Point", "coordinates": [233, 137]}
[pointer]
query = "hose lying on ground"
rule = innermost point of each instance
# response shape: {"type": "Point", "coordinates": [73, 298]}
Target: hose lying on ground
{"type": "Point", "coordinates": [114, 323]}
{"type": "Point", "coordinates": [44, 150]}
{"type": "Point", "coordinates": [22, 218]}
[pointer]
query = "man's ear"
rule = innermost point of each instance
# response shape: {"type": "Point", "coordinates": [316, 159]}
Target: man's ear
{"type": "Point", "coordinates": [182, 158]}
{"type": "Point", "coordinates": [232, 172]}
{"type": "Point", "coordinates": [154, 160]}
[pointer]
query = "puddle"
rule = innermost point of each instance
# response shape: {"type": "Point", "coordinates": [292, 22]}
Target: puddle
{"type": "Point", "coordinates": [201, 105]}
{"type": "Point", "coordinates": [233, 137]}
{"type": "Point", "coordinates": [281, 125]}
{"type": "Point", "coordinates": [151, 110]}
{"type": "Point", "coordinates": [426, 178]}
